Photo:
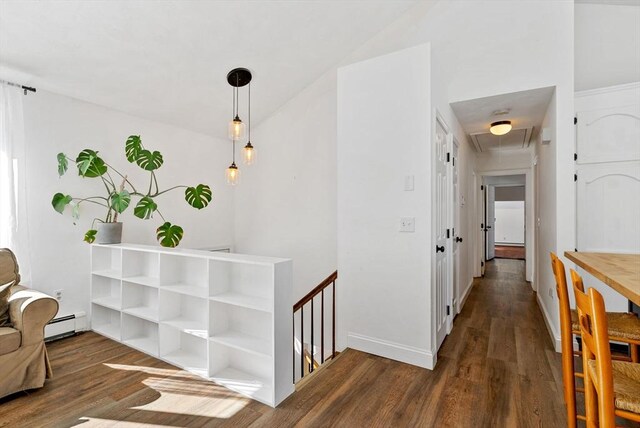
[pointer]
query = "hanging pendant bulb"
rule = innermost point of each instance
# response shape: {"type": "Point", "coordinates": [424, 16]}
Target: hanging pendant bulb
{"type": "Point", "coordinates": [233, 174]}
{"type": "Point", "coordinates": [249, 154]}
{"type": "Point", "coordinates": [236, 129]}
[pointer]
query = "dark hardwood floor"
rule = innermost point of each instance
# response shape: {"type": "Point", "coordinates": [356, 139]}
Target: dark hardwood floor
{"type": "Point", "coordinates": [496, 369]}
{"type": "Point", "coordinates": [510, 252]}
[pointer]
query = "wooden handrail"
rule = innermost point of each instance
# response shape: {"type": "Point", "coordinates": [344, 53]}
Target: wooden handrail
{"type": "Point", "coordinates": [311, 294]}
{"type": "Point", "coordinates": [310, 366]}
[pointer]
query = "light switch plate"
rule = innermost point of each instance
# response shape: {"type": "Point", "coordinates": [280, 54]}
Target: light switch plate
{"type": "Point", "coordinates": [408, 183]}
{"type": "Point", "coordinates": [407, 224]}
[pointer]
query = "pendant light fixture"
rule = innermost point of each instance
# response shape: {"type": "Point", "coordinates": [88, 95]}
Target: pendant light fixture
{"type": "Point", "coordinates": [501, 127]}
{"type": "Point", "coordinates": [237, 78]}
{"type": "Point", "coordinates": [249, 152]}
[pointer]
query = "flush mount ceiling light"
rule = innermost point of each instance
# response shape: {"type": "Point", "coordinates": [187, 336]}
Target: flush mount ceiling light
{"type": "Point", "coordinates": [501, 127]}
{"type": "Point", "coordinates": [238, 78]}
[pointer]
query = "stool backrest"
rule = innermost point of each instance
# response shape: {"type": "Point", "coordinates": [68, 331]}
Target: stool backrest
{"type": "Point", "coordinates": [592, 318]}
{"type": "Point", "coordinates": [566, 340]}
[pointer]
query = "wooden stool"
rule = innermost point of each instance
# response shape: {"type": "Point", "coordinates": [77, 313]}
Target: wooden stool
{"type": "Point", "coordinates": [623, 327]}
{"type": "Point", "coordinates": [612, 388]}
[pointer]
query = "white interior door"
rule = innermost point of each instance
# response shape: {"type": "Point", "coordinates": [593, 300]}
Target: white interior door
{"type": "Point", "coordinates": [441, 220]}
{"type": "Point", "coordinates": [608, 179]}
{"type": "Point", "coordinates": [455, 230]}
{"type": "Point", "coordinates": [491, 222]}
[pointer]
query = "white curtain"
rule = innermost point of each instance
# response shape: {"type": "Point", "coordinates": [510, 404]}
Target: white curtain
{"type": "Point", "coordinates": [14, 233]}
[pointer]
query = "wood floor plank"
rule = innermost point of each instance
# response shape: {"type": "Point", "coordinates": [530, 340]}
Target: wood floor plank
{"type": "Point", "coordinates": [496, 368]}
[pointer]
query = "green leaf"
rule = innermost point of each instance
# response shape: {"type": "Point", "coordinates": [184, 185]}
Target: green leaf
{"type": "Point", "coordinates": [148, 160]}
{"type": "Point", "coordinates": [199, 196]}
{"type": "Point", "coordinates": [169, 235]}
{"type": "Point", "coordinates": [60, 201]}
{"type": "Point", "coordinates": [90, 164]}
{"type": "Point", "coordinates": [120, 201]}
{"type": "Point", "coordinates": [132, 147]}
{"type": "Point", "coordinates": [90, 236]}
{"type": "Point", "coordinates": [63, 164]}
{"type": "Point", "coordinates": [145, 208]}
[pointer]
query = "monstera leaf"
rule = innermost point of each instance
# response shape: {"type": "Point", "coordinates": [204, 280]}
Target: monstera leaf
{"type": "Point", "coordinates": [169, 235]}
{"type": "Point", "coordinates": [90, 164]}
{"type": "Point", "coordinates": [90, 236]}
{"type": "Point", "coordinates": [132, 147]}
{"type": "Point", "coordinates": [60, 201]}
{"type": "Point", "coordinates": [63, 164]}
{"type": "Point", "coordinates": [145, 208]}
{"type": "Point", "coordinates": [120, 201]}
{"type": "Point", "coordinates": [148, 160]}
{"type": "Point", "coordinates": [199, 196]}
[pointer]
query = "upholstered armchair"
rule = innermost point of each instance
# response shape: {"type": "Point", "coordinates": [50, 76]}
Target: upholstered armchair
{"type": "Point", "coordinates": [24, 363]}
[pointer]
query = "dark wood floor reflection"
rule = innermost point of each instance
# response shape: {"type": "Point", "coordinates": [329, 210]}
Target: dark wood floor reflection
{"type": "Point", "coordinates": [496, 369]}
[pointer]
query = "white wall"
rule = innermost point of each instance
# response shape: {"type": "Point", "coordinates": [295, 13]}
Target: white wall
{"type": "Point", "coordinates": [54, 123]}
{"type": "Point", "coordinates": [546, 222]}
{"type": "Point", "coordinates": [384, 135]}
{"type": "Point", "coordinates": [607, 45]}
{"type": "Point", "coordinates": [509, 222]}
{"type": "Point", "coordinates": [286, 202]}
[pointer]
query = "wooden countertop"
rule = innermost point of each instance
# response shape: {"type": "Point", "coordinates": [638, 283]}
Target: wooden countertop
{"type": "Point", "coordinates": [619, 271]}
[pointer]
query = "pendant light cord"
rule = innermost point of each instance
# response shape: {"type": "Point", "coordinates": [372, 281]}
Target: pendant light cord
{"type": "Point", "coordinates": [249, 121]}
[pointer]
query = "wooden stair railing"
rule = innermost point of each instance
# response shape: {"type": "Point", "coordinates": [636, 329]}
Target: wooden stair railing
{"type": "Point", "coordinates": [307, 363]}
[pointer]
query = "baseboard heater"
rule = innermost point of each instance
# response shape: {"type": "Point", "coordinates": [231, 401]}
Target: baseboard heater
{"type": "Point", "coordinates": [65, 326]}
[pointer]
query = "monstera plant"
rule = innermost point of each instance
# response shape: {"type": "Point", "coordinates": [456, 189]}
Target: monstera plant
{"type": "Point", "coordinates": [120, 191]}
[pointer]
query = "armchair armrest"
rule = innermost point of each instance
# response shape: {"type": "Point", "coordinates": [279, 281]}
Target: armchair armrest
{"type": "Point", "coordinates": [30, 311]}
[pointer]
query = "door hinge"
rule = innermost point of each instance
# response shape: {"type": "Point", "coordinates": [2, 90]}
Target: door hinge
{"type": "Point", "coordinates": [448, 157]}
{"type": "Point", "coordinates": [481, 225]}
{"type": "Point", "coordinates": [481, 263]}
{"type": "Point", "coordinates": [448, 309]}
{"type": "Point", "coordinates": [575, 156]}
{"type": "Point", "coordinates": [481, 187]}
{"type": "Point", "coordinates": [453, 231]}
{"type": "Point", "coordinates": [575, 120]}
{"type": "Point", "coordinates": [454, 161]}
{"type": "Point", "coordinates": [575, 177]}
{"type": "Point", "coordinates": [447, 233]}
{"type": "Point", "coordinates": [576, 250]}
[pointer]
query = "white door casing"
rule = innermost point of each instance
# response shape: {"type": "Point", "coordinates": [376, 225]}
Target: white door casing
{"type": "Point", "coordinates": [441, 213]}
{"type": "Point", "coordinates": [608, 178]}
{"type": "Point", "coordinates": [454, 222]}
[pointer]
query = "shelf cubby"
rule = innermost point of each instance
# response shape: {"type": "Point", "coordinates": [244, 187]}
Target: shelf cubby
{"type": "Point", "coordinates": [106, 262]}
{"type": "Point", "coordinates": [185, 313]}
{"type": "Point", "coordinates": [106, 292]}
{"type": "Point", "coordinates": [105, 321]}
{"type": "Point", "coordinates": [140, 334]}
{"type": "Point", "coordinates": [183, 349]}
{"type": "Point", "coordinates": [242, 284]}
{"type": "Point", "coordinates": [141, 267]}
{"type": "Point", "coordinates": [223, 316]}
{"type": "Point", "coordinates": [241, 371]}
{"type": "Point", "coordinates": [140, 301]}
{"type": "Point", "coordinates": [185, 275]}
{"type": "Point", "coordinates": [242, 328]}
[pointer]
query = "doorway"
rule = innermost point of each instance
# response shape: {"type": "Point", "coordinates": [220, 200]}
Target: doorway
{"type": "Point", "coordinates": [509, 222]}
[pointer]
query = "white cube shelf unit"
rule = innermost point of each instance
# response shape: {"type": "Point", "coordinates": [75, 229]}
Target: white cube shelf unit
{"type": "Point", "coordinates": [223, 316]}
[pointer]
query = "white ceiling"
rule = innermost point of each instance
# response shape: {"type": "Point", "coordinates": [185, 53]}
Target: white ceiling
{"type": "Point", "coordinates": [168, 60]}
{"type": "Point", "coordinates": [526, 111]}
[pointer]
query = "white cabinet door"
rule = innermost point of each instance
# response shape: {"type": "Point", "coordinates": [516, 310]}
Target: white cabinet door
{"type": "Point", "coordinates": [441, 211]}
{"type": "Point", "coordinates": [608, 179]}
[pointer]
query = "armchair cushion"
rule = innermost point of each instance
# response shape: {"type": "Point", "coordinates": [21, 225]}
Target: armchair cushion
{"type": "Point", "coordinates": [9, 276]}
{"type": "Point", "coordinates": [10, 339]}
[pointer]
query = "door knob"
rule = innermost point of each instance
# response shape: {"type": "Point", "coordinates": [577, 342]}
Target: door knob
{"type": "Point", "coordinates": [458, 239]}
{"type": "Point", "coordinates": [439, 249]}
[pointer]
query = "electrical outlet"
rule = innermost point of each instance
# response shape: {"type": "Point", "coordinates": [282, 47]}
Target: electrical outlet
{"type": "Point", "coordinates": [58, 295]}
{"type": "Point", "coordinates": [407, 224]}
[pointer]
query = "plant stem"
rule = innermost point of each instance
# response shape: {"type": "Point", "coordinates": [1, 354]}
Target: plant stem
{"type": "Point", "coordinates": [124, 180]}
{"type": "Point", "coordinates": [158, 211]}
{"type": "Point", "coordinates": [150, 184]}
{"type": "Point", "coordinates": [167, 190]}
{"type": "Point", "coordinates": [124, 177]}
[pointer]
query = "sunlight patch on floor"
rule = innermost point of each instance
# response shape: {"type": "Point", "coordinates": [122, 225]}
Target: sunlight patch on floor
{"type": "Point", "coordinates": [101, 423]}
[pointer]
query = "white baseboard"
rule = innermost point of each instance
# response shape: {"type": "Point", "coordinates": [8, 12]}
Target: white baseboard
{"type": "Point", "coordinates": [395, 351]}
{"type": "Point", "coordinates": [555, 337]}
{"type": "Point", "coordinates": [463, 299]}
